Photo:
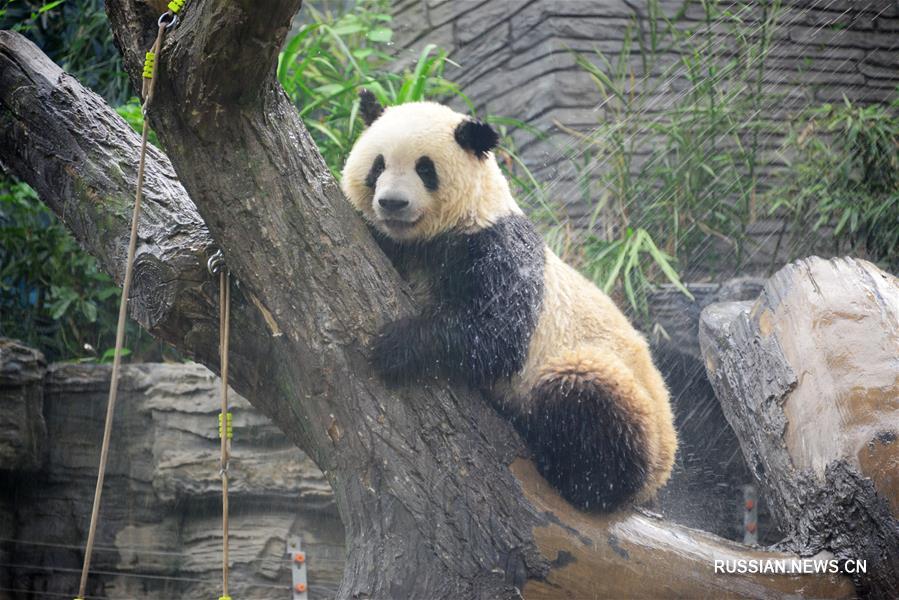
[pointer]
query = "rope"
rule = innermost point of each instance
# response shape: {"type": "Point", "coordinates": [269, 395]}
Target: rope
{"type": "Point", "coordinates": [225, 416]}
{"type": "Point", "coordinates": [123, 313]}
{"type": "Point", "coordinates": [225, 432]}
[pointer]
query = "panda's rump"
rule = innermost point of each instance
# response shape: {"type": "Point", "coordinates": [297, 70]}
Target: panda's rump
{"type": "Point", "coordinates": [586, 362]}
{"type": "Point", "coordinates": [591, 431]}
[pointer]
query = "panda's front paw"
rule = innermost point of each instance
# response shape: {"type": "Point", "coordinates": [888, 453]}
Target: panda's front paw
{"type": "Point", "coordinates": [393, 354]}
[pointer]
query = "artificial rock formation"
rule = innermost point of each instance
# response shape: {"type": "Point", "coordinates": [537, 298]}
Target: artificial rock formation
{"type": "Point", "coordinates": [160, 521]}
{"type": "Point", "coordinates": [820, 52]}
{"type": "Point", "coordinates": [23, 432]}
{"type": "Point", "coordinates": [808, 377]}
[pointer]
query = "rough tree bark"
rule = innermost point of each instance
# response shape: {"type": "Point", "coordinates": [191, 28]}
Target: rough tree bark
{"type": "Point", "coordinates": [430, 483]}
{"type": "Point", "coordinates": [820, 430]}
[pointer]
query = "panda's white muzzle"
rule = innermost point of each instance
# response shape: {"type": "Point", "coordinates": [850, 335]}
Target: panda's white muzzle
{"type": "Point", "coordinates": [397, 202]}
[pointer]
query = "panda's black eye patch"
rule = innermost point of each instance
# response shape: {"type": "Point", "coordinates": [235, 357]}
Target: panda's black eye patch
{"type": "Point", "coordinates": [377, 167]}
{"type": "Point", "coordinates": [424, 166]}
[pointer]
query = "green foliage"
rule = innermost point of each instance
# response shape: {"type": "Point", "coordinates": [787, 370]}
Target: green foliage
{"type": "Point", "coordinates": [77, 36]}
{"type": "Point", "coordinates": [665, 178]}
{"type": "Point", "coordinates": [843, 173]}
{"type": "Point", "coordinates": [324, 65]}
{"type": "Point", "coordinates": [52, 294]}
{"type": "Point", "coordinates": [620, 262]}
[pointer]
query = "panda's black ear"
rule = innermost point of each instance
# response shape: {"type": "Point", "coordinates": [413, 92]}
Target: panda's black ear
{"type": "Point", "coordinates": [369, 107]}
{"type": "Point", "coordinates": [476, 136]}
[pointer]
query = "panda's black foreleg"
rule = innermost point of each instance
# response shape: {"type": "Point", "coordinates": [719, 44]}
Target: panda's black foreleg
{"type": "Point", "coordinates": [585, 441]}
{"type": "Point", "coordinates": [405, 351]}
{"type": "Point", "coordinates": [488, 290]}
{"type": "Point", "coordinates": [449, 342]}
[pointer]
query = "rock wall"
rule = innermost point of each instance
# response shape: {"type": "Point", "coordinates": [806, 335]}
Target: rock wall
{"type": "Point", "coordinates": [516, 60]}
{"type": "Point", "coordinates": [160, 527]}
{"type": "Point", "coordinates": [23, 432]}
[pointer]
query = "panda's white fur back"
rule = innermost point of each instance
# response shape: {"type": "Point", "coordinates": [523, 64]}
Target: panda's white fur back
{"type": "Point", "coordinates": [577, 377]}
{"type": "Point", "coordinates": [581, 324]}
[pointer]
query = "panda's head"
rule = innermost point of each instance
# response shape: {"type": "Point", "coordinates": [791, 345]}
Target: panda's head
{"type": "Point", "coordinates": [422, 169]}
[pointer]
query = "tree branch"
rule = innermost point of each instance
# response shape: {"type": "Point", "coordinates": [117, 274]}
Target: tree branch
{"type": "Point", "coordinates": [81, 158]}
{"type": "Point", "coordinates": [422, 477]}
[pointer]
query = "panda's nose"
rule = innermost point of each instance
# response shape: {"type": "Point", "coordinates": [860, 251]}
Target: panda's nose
{"type": "Point", "coordinates": [393, 203]}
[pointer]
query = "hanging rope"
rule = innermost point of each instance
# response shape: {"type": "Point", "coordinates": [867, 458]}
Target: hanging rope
{"type": "Point", "coordinates": [216, 265]}
{"type": "Point", "coordinates": [165, 21]}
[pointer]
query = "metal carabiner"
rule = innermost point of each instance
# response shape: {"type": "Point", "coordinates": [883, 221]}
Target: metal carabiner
{"type": "Point", "coordinates": [215, 262]}
{"type": "Point", "coordinates": [167, 24]}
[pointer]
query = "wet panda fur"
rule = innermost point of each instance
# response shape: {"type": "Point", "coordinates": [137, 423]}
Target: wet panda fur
{"type": "Point", "coordinates": [503, 312]}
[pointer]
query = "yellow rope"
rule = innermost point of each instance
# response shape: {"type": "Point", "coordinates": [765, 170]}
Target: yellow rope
{"type": "Point", "coordinates": [120, 328]}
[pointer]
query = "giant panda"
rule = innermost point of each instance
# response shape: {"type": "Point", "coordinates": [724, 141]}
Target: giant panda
{"type": "Point", "coordinates": [503, 312]}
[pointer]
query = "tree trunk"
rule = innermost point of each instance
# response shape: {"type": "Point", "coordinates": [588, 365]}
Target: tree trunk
{"type": "Point", "coordinates": [433, 492]}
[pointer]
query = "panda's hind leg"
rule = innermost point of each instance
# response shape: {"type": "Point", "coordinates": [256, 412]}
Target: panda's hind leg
{"type": "Point", "coordinates": [592, 430]}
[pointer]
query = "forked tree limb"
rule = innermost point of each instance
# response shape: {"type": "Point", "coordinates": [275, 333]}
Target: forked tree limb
{"type": "Point", "coordinates": [434, 497]}
{"type": "Point", "coordinates": [82, 157]}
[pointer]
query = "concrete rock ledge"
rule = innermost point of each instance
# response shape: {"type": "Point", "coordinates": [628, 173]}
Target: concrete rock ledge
{"type": "Point", "coordinates": [160, 526]}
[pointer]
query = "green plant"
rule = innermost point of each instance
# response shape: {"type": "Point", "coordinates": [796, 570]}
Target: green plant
{"type": "Point", "coordinates": [842, 174]}
{"type": "Point", "coordinates": [662, 181]}
{"type": "Point", "coordinates": [77, 36]}
{"type": "Point", "coordinates": [324, 65]}
{"type": "Point", "coordinates": [52, 294]}
{"type": "Point", "coordinates": [620, 262]}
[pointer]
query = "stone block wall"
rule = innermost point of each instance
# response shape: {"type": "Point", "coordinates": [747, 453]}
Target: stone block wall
{"type": "Point", "coordinates": [516, 60]}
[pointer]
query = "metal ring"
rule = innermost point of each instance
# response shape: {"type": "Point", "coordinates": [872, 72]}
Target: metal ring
{"type": "Point", "coordinates": [168, 24]}
{"type": "Point", "coordinates": [215, 262]}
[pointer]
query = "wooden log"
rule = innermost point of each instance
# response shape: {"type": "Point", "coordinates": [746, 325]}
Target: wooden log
{"type": "Point", "coordinates": [808, 377]}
